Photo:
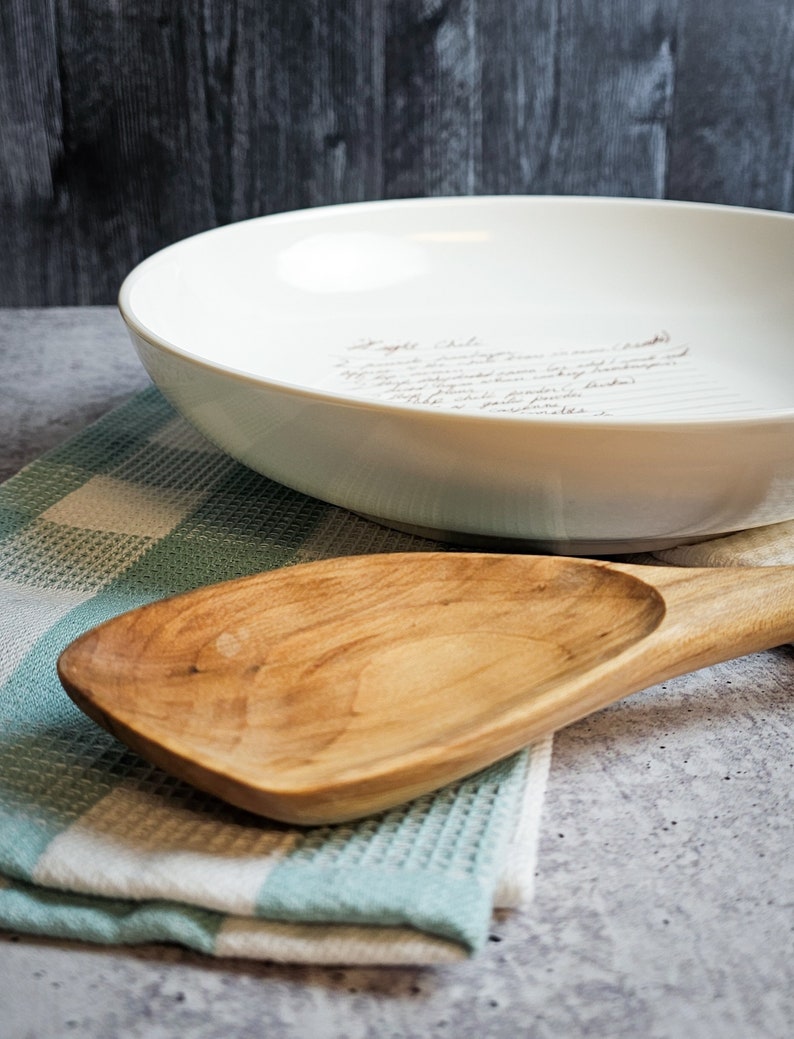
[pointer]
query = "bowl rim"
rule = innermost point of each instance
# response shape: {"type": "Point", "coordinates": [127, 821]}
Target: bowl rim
{"type": "Point", "coordinates": [334, 397]}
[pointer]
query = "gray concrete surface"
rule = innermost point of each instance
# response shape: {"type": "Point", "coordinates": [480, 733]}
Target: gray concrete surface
{"type": "Point", "coordinates": [665, 878]}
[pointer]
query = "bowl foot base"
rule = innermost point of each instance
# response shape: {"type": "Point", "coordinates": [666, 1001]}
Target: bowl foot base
{"type": "Point", "coordinates": [558, 547]}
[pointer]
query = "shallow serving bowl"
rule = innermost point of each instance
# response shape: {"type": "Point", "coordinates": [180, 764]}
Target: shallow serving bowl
{"type": "Point", "coordinates": [576, 375]}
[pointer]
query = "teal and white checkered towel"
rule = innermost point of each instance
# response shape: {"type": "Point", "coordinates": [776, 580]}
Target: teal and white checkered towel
{"type": "Point", "coordinates": [96, 844]}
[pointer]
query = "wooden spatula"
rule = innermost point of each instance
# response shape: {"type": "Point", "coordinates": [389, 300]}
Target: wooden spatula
{"type": "Point", "coordinates": [325, 691]}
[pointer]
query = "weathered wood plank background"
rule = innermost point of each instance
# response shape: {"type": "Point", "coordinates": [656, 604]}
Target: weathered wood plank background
{"type": "Point", "coordinates": [128, 124]}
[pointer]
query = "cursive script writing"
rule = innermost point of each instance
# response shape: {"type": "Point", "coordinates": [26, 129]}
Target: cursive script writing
{"type": "Point", "coordinates": [467, 374]}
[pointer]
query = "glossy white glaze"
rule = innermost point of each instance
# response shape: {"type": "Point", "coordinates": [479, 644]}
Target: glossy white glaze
{"type": "Point", "coordinates": [581, 375]}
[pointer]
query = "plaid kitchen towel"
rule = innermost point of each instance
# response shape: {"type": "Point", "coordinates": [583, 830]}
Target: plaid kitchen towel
{"type": "Point", "coordinates": [96, 844]}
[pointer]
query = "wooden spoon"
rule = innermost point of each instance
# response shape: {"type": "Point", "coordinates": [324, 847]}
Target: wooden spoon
{"type": "Point", "coordinates": [326, 691]}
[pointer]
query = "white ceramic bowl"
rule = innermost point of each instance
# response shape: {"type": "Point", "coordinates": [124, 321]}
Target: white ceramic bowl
{"type": "Point", "coordinates": [576, 375]}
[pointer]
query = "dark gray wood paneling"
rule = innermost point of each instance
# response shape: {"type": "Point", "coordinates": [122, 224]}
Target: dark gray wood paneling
{"type": "Point", "coordinates": [432, 98]}
{"type": "Point", "coordinates": [578, 96]}
{"type": "Point", "coordinates": [732, 135]}
{"type": "Point", "coordinates": [127, 126]}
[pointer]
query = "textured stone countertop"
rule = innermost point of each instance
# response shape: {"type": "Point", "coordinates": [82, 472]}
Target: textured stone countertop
{"type": "Point", "coordinates": [665, 872]}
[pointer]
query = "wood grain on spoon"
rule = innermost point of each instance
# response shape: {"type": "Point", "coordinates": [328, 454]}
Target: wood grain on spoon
{"type": "Point", "coordinates": [322, 692]}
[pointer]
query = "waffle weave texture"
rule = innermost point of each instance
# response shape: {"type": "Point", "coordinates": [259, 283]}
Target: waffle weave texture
{"type": "Point", "coordinates": [97, 844]}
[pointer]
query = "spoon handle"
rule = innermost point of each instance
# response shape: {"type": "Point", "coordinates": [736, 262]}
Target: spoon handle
{"type": "Point", "coordinates": [715, 614]}
{"type": "Point", "coordinates": [708, 615]}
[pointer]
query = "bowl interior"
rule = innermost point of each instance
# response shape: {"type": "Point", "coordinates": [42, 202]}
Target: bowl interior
{"type": "Point", "coordinates": [523, 306]}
